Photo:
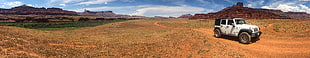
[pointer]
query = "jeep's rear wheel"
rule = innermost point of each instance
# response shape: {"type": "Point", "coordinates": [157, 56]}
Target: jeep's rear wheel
{"type": "Point", "coordinates": [245, 38]}
{"type": "Point", "coordinates": [217, 33]}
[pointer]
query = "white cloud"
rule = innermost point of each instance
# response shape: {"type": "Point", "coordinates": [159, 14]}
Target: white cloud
{"type": "Point", "coordinates": [12, 4]}
{"type": "Point", "coordinates": [64, 1]}
{"type": "Point", "coordinates": [210, 4]}
{"type": "Point", "coordinates": [303, 0]}
{"type": "Point", "coordinates": [294, 6]}
{"type": "Point", "coordinates": [177, 2]}
{"type": "Point", "coordinates": [62, 5]}
{"type": "Point", "coordinates": [95, 2]}
{"type": "Point", "coordinates": [229, 1]}
{"type": "Point", "coordinates": [128, 0]}
{"type": "Point", "coordinates": [151, 10]}
{"type": "Point", "coordinates": [70, 1]}
{"type": "Point", "coordinates": [289, 7]}
{"type": "Point", "coordinates": [203, 1]}
{"type": "Point", "coordinates": [104, 8]}
{"type": "Point", "coordinates": [118, 10]}
{"type": "Point", "coordinates": [169, 10]}
{"type": "Point", "coordinates": [29, 4]}
{"type": "Point", "coordinates": [255, 3]}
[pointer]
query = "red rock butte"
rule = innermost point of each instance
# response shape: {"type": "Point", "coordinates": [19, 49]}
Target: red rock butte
{"type": "Point", "coordinates": [239, 11]}
{"type": "Point", "coordinates": [101, 13]}
{"type": "Point", "coordinates": [28, 10]}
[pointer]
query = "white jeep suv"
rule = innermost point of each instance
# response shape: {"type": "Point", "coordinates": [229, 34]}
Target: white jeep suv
{"type": "Point", "coordinates": [236, 27]}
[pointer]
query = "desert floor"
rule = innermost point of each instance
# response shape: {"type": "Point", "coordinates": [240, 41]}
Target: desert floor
{"type": "Point", "coordinates": [173, 38]}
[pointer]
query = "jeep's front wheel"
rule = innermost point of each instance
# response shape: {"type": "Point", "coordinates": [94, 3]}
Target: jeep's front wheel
{"type": "Point", "coordinates": [217, 33]}
{"type": "Point", "coordinates": [245, 38]}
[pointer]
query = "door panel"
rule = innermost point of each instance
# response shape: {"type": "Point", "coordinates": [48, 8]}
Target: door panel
{"type": "Point", "coordinates": [223, 27]}
{"type": "Point", "coordinates": [230, 27]}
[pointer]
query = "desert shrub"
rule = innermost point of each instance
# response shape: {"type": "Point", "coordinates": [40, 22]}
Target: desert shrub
{"type": "Point", "coordinates": [83, 19]}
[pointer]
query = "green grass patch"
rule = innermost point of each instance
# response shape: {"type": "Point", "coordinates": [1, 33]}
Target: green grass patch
{"type": "Point", "coordinates": [59, 25]}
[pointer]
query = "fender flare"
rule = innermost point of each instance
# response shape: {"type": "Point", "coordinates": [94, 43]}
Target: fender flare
{"type": "Point", "coordinates": [217, 28]}
{"type": "Point", "coordinates": [249, 31]}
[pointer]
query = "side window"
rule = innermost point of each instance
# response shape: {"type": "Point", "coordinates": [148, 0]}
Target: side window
{"type": "Point", "coordinates": [217, 21]}
{"type": "Point", "coordinates": [223, 22]}
{"type": "Point", "coordinates": [230, 22]}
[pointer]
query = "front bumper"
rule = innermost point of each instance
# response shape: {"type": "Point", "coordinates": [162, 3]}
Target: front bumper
{"type": "Point", "coordinates": [256, 34]}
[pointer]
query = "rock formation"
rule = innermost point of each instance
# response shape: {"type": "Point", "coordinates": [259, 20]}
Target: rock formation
{"type": "Point", "coordinates": [239, 11]}
{"type": "Point", "coordinates": [98, 13]}
{"type": "Point", "coordinates": [101, 13]}
{"type": "Point", "coordinates": [28, 10]}
{"type": "Point", "coordinates": [185, 16]}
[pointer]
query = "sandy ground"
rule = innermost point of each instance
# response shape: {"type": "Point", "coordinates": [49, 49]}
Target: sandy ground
{"type": "Point", "coordinates": [265, 47]}
{"type": "Point", "coordinates": [151, 39]}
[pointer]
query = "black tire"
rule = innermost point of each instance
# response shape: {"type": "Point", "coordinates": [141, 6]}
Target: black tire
{"type": "Point", "coordinates": [254, 39]}
{"type": "Point", "coordinates": [217, 33]}
{"type": "Point", "coordinates": [244, 38]}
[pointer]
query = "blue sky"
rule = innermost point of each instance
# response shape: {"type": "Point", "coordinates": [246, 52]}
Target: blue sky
{"type": "Point", "coordinates": [160, 7]}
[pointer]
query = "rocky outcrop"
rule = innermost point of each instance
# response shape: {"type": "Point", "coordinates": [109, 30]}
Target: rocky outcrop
{"type": "Point", "coordinates": [185, 16]}
{"type": "Point", "coordinates": [101, 13]}
{"type": "Point", "coordinates": [28, 10]}
{"type": "Point", "coordinates": [98, 13]}
{"type": "Point", "coordinates": [239, 11]}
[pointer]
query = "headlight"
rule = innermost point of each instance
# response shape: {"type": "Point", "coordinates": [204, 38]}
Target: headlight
{"type": "Point", "coordinates": [256, 29]}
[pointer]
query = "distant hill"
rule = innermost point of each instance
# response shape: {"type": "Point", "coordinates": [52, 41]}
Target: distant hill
{"type": "Point", "coordinates": [185, 16]}
{"type": "Point", "coordinates": [101, 13]}
{"type": "Point", "coordinates": [239, 11]}
{"type": "Point", "coordinates": [28, 10]}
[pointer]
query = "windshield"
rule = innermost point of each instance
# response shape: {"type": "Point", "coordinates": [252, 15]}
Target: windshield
{"type": "Point", "coordinates": [240, 21]}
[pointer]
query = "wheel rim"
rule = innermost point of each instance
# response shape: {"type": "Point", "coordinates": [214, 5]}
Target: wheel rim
{"type": "Point", "coordinates": [216, 34]}
{"type": "Point", "coordinates": [244, 38]}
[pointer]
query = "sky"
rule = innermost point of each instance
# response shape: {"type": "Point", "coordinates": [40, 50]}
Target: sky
{"type": "Point", "coordinates": [164, 8]}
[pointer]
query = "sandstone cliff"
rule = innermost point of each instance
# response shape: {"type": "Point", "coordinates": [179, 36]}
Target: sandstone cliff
{"type": "Point", "coordinates": [239, 11]}
{"type": "Point", "coordinates": [101, 13]}
{"type": "Point", "coordinates": [185, 16]}
{"type": "Point", "coordinates": [28, 10]}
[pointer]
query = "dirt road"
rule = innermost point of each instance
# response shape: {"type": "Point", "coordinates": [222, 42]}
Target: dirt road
{"type": "Point", "coordinates": [267, 46]}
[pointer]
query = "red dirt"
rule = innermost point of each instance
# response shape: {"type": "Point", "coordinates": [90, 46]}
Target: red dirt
{"type": "Point", "coordinates": [191, 42]}
{"type": "Point", "coordinates": [270, 27]}
{"type": "Point", "coordinates": [265, 47]}
{"type": "Point", "coordinates": [72, 45]}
